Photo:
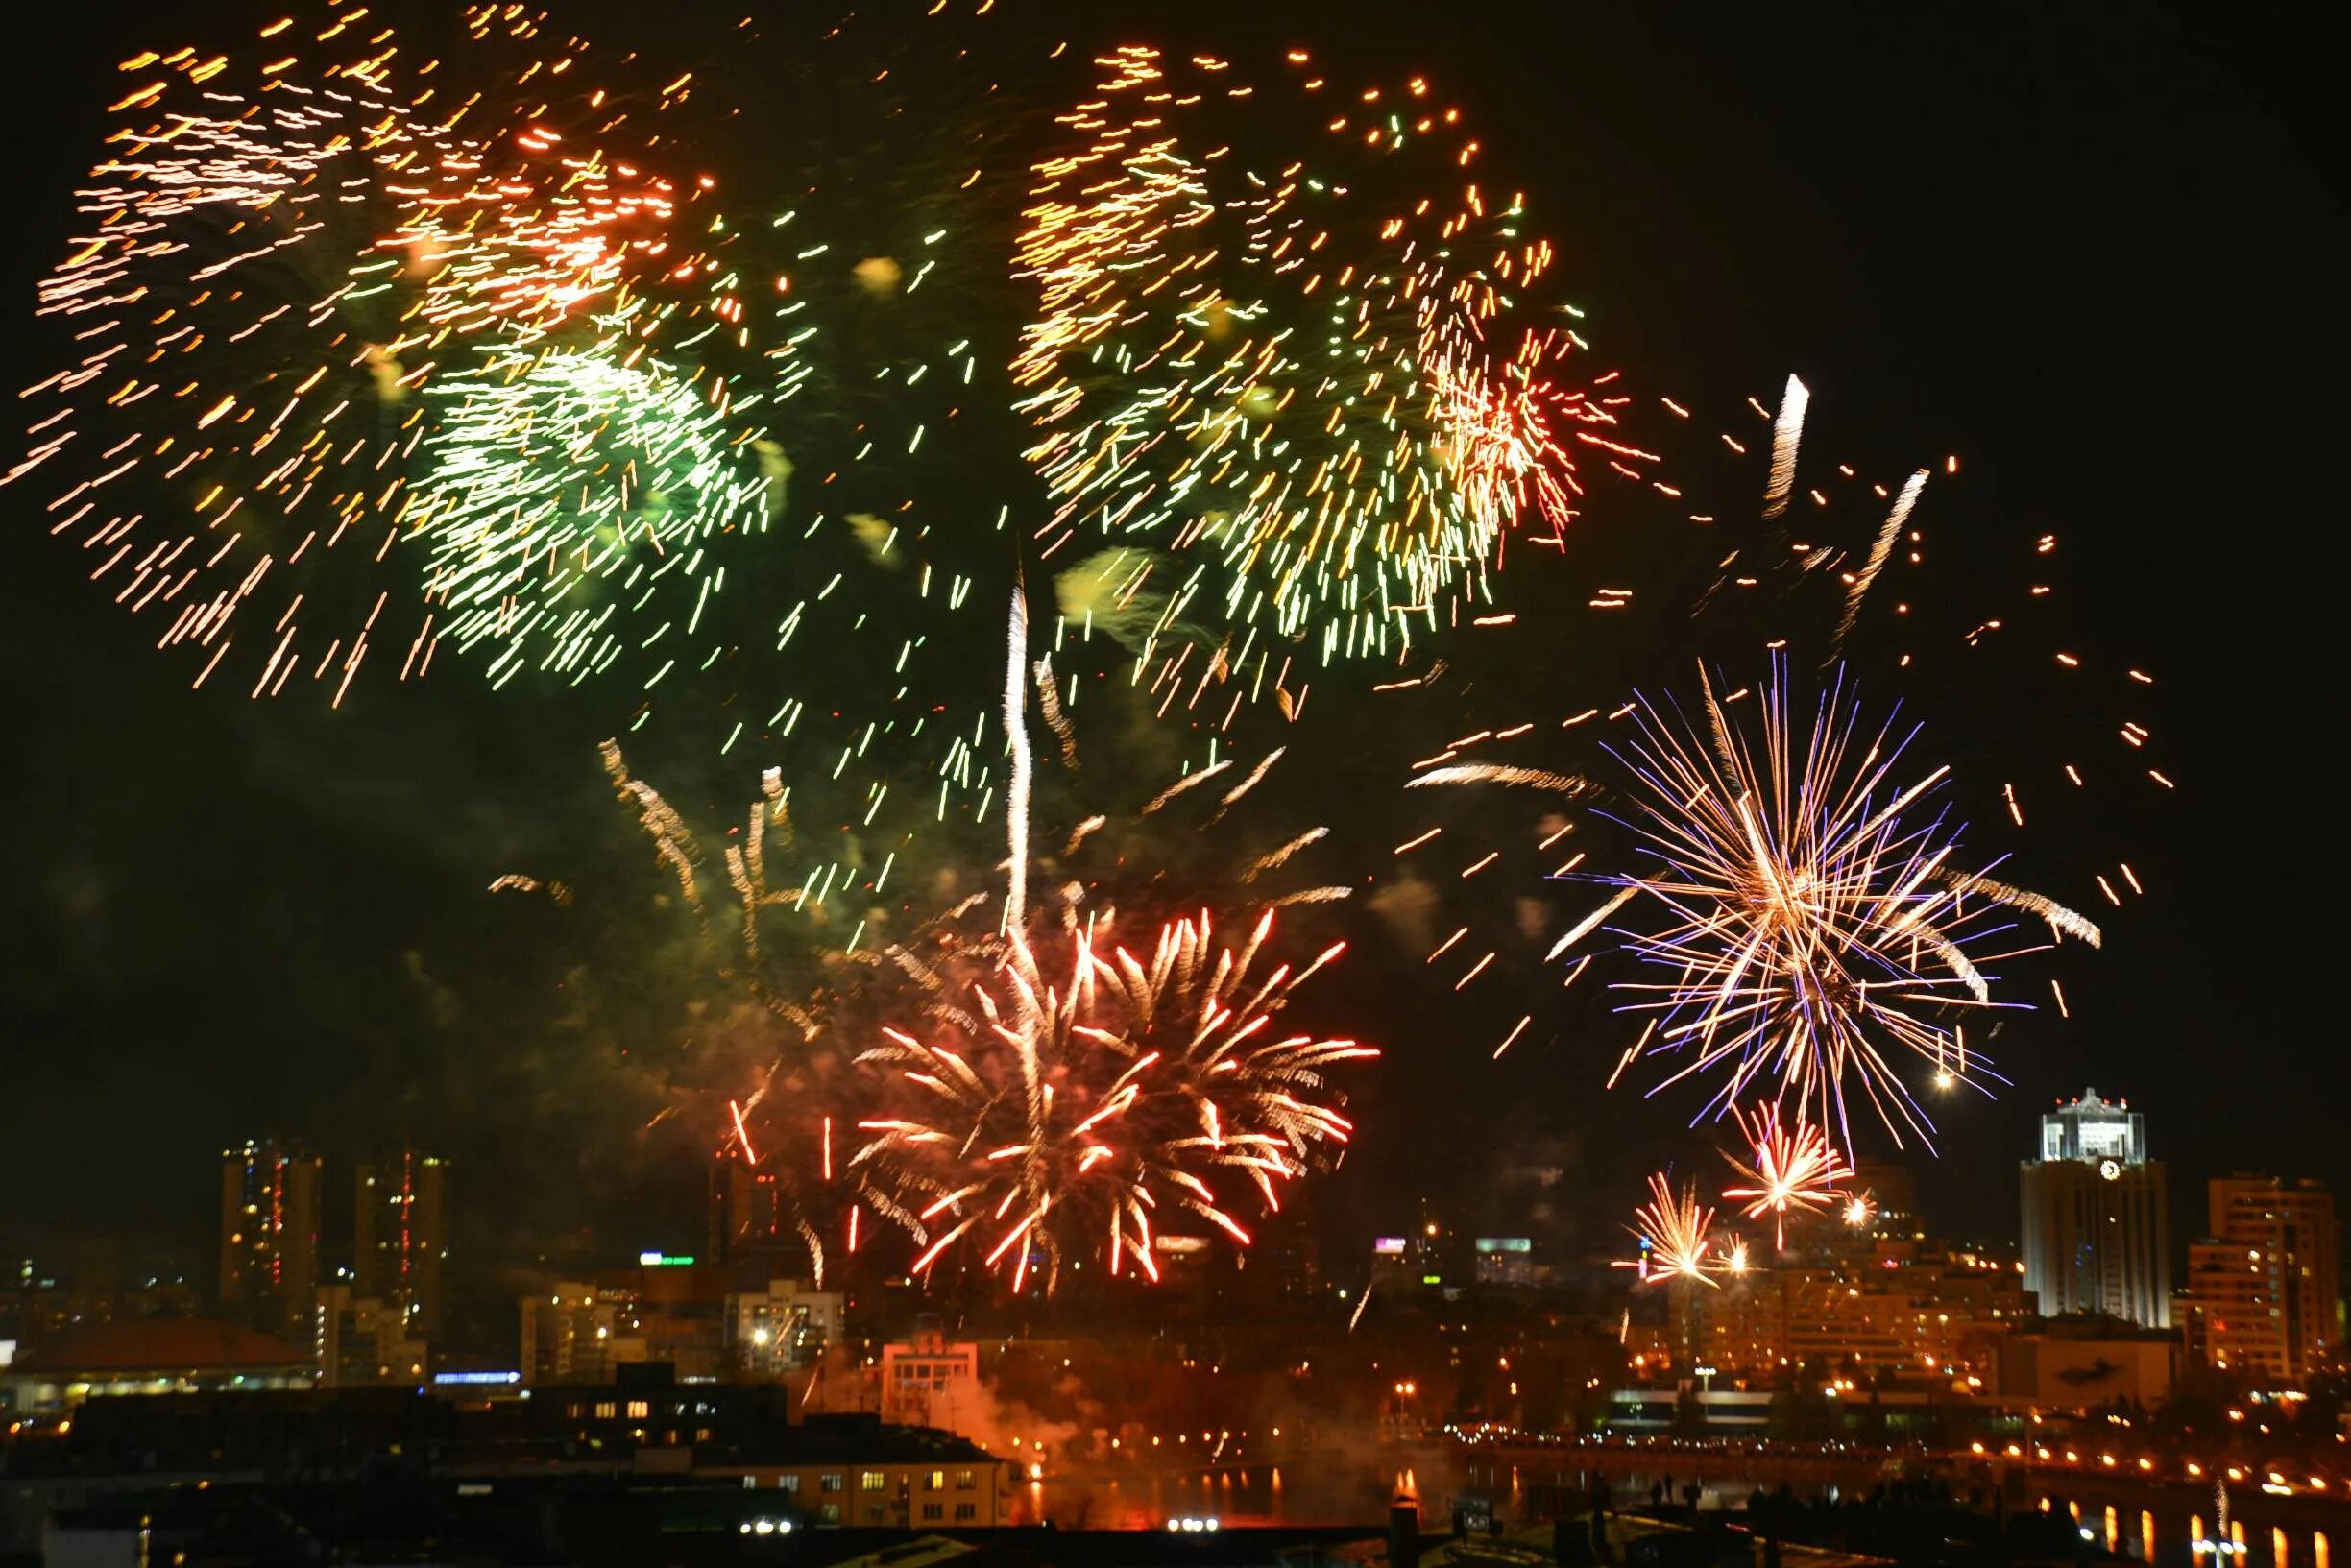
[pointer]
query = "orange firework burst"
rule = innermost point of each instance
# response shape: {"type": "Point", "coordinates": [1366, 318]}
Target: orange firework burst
{"type": "Point", "coordinates": [1675, 1231]}
{"type": "Point", "coordinates": [1050, 1109]}
{"type": "Point", "coordinates": [1792, 1167]}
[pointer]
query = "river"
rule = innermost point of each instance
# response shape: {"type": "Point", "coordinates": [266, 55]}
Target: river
{"type": "Point", "coordinates": [2152, 1521]}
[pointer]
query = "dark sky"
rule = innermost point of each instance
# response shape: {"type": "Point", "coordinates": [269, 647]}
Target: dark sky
{"type": "Point", "coordinates": [2087, 245]}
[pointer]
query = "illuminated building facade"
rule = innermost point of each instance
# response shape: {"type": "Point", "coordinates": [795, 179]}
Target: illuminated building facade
{"type": "Point", "coordinates": [1508, 1261]}
{"type": "Point", "coordinates": [361, 1341]}
{"type": "Point", "coordinates": [152, 1356]}
{"type": "Point", "coordinates": [928, 1381]}
{"type": "Point", "coordinates": [1902, 1306]}
{"type": "Point", "coordinates": [2264, 1287]}
{"type": "Point", "coordinates": [2095, 1235]}
{"type": "Point", "coordinates": [781, 1329]}
{"type": "Point", "coordinates": [269, 1237]}
{"type": "Point", "coordinates": [578, 1332]}
{"type": "Point", "coordinates": [400, 1237]}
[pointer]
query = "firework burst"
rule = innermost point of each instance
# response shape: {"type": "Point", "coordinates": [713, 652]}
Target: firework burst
{"type": "Point", "coordinates": [298, 260]}
{"type": "Point", "coordinates": [1086, 1101]}
{"type": "Point", "coordinates": [1297, 416]}
{"type": "Point", "coordinates": [1062, 1094]}
{"type": "Point", "coordinates": [1791, 1168]}
{"type": "Point", "coordinates": [1676, 1233]}
{"type": "Point", "coordinates": [1812, 913]}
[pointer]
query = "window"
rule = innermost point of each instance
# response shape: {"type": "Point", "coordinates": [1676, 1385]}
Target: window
{"type": "Point", "coordinates": [830, 1483]}
{"type": "Point", "coordinates": [933, 1510]}
{"type": "Point", "coordinates": [606, 1410]}
{"type": "Point", "coordinates": [967, 1511]}
{"type": "Point", "coordinates": [934, 1480]}
{"type": "Point", "coordinates": [829, 1513]}
{"type": "Point", "coordinates": [639, 1410]}
{"type": "Point", "coordinates": [873, 1514]}
{"type": "Point", "coordinates": [574, 1410]}
{"type": "Point", "coordinates": [872, 1481]}
{"type": "Point", "coordinates": [964, 1480]}
{"type": "Point", "coordinates": [788, 1483]}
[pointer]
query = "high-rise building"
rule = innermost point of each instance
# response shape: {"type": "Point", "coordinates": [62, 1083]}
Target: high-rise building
{"type": "Point", "coordinates": [2096, 1238]}
{"type": "Point", "coordinates": [1900, 1306]}
{"type": "Point", "coordinates": [781, 1329]}
{"type": "Point", "coordinates": [1510, 1261]}
{"type": "Point", "coordinates": [1892, 1190]}
{"type": "Point", "coordinates": [2263, 1286]}
{"type": "Point", "coordinates": [578, 1332]}
{"type": "Point", "coordinates": [269, 1237]}
{"type": "Point", "coordinates": [755, 1218]}
{"type": "Point", "coordinates": [399, 1237]}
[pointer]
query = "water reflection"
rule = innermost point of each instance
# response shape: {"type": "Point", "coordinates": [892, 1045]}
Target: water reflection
{"type": "Point", "coordinates": [1354, 1489]}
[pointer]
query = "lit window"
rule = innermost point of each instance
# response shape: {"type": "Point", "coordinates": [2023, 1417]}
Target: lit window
{"type": "Point", "coordinates": [871, 1480]}
{"type": "Point", "coordinates": [606, 1410]}
{"type": "Point", "coordinates": [639, 1410]}
{"type": "Point", "coordinates": [830, 1483]}
{"type": "Point", "coordinates": [964, 1480]}
{"type": "Point", "coordinates": [788, 1484]}
{"type": "Point", "coordinates": [830, 1513]}
{"type": "Point", "coordinates": [936, 1481]}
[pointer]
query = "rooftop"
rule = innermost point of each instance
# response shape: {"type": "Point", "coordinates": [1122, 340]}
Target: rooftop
{"type": "Point", "coordinates": [160, 1344]}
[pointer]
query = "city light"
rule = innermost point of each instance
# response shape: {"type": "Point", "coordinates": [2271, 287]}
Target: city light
{"type": "Point", "coordinates": [956, 465]}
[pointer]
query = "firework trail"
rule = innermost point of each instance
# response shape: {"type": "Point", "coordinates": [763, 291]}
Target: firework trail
{"type": "Point", "coordinates": [1566, 784]}
{"type": "Point", "coordinates": [1289, 410]}
{"type": "Point", "coordinates": [782, 972]}
{"type": "Point", "coordinates": [1023, 766]}
{"type": "Point", "coordinates": [1880, 550]}
{"type": "Point", "coordinates": [1790, 1166]}
{"type": "Point", "coordinates": [1788, 434]}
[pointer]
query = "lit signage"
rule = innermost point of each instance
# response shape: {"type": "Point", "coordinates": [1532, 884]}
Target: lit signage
{"type": "Point", "coordinates": [665, 1260]}
{"type": "Point", "coordinates": [477, 1377]}
{"type": "Point", "coordinates": [1387, 1246]}
{"type": "Point", "coordinates": [1490, 1244]}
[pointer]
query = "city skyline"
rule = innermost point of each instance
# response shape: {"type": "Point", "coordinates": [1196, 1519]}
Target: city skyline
{"type": "Point", "coordinates": [339, 791]}
{"type": "Point", "coordinates": [994, 774]}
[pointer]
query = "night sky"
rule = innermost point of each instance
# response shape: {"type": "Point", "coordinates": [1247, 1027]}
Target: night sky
{"type": "Point", "coordinates": [2085, 246]}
